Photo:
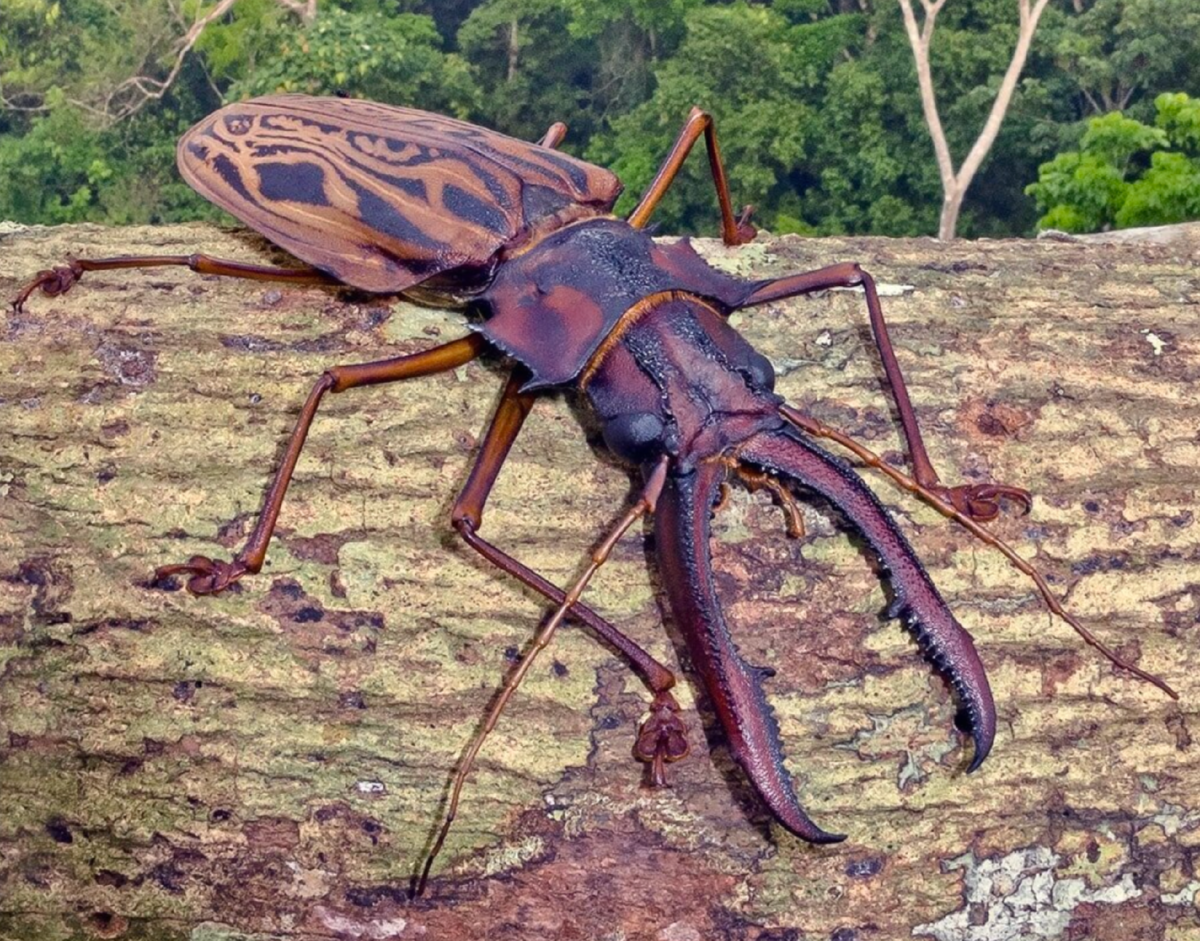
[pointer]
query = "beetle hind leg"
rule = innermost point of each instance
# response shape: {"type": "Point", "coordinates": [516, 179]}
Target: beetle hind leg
{"type": "Point", "coordinates": [58, 280]}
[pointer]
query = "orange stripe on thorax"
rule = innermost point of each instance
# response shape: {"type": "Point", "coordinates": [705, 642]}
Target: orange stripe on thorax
{"type": "Point", "coordinates": [635, 313]}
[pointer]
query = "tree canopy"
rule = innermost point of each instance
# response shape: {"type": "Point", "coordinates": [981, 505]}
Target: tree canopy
{"type": "Point", "coordinates": [816, 101]}
{"type": "Point", "coordinates": [1126, 173]}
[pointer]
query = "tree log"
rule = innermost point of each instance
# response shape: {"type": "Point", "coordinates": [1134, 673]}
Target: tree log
{"type": "Point", "coordinates": [272, 760]}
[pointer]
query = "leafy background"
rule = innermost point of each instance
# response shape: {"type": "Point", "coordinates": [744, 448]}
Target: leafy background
{"type": "Point", "coordinates": [816, 100]}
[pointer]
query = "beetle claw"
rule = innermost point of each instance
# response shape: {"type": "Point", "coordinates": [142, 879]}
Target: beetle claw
{"type": "Point", "coordinates": [52, 281]}
{"type": "Point", "coordinates": [982, 502]}
{"type": "Point", "coordinates": [209, 576]}
{"type": "Point", "coordinates": [662, 738]}
{"type": "Point", "coordinates": [745, 231]}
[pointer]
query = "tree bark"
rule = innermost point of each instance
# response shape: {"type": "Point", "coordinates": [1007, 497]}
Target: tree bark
{"type": "Point", "coordinates": [271, 761]}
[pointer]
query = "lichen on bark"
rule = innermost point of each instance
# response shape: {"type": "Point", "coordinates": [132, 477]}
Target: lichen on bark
{"type": "Point", "coordinates": [270, 762]}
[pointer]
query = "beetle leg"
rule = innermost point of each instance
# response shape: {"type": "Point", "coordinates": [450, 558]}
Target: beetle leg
{"type": "Point", "coordinates": [554, 135]}
{"type": "Point", "coordinates": [645, 504]}
{"type": "Point", "coordinates": [61, 278]}
{"type": "Point", "coordinates": [209, 576]}
{"type": "Point", "coordinates": [786, 454]}
{"type": "Point", "coordinates": [662, 737]}
{"type": "Point", "coordinates": [734, 230]}
{"type": "Point", "coordinates": [981, 502]}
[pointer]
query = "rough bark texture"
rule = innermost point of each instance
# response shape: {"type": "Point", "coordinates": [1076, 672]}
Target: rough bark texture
{"type": "Point", "coordinates": [270, 762]}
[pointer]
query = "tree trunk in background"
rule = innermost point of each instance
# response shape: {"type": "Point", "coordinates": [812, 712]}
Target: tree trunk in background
{"type": "Point", "coordinates": [956, 183]}
{"type": "Point", "coordinates": [271, 761]}
{"type": "Point", "coordinates": [514, 50]}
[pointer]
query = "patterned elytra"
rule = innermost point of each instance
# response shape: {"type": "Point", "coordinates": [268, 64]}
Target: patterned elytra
{"type": "Point", "coordinates": [384, 198]}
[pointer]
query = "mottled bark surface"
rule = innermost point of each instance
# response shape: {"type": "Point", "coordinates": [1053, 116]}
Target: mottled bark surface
{"type": "Point", "coordinates": [269, 763]}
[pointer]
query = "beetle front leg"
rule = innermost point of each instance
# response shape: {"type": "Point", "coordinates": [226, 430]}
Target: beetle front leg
{"type": "Point", "coordinates": [981, 502]}
{"type": "Point", "coordinates": [209, 576]}
{"type": "Point", "coordinates": [662, 738]}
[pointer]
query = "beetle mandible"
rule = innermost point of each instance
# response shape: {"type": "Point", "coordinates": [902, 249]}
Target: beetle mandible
{"type": "Point", "coordinates": [394, 200]}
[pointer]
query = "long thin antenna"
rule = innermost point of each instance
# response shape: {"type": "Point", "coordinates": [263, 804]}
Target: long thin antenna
{"type": "Point", "coordinates": [820, 430]}
{"type": "Point", "coordinates": [645, 504]}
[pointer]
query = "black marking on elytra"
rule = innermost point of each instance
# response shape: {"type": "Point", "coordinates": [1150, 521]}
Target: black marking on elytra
{"type": "Point", "coordinates": [292, 182]}
{"type": "Point", "coordinates": [571, 169]}
{"type": "Point", "coordinates": [470, 207]}
{"type": "Point", "coordinates": [537, 202]}
{"type": "Point", "coordinates": [228, 172]}
{"type": "Point", "coordinates": [380, 215]}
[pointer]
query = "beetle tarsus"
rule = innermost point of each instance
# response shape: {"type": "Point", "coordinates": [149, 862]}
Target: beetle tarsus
{"type": "Point", "coordinates": [52, 282]}
{"type": "Point", "coordinates": [662, 738]}
{"type": "Point", "coordinates": [982, 502]}
{"type": "Point", "coordinates": [209, 576]}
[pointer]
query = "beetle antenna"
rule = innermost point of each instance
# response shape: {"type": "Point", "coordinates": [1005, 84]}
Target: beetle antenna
{"type": "Point", "coordinates": [645, 504]}
{"type": "Point", "coordinates": [819, 429]}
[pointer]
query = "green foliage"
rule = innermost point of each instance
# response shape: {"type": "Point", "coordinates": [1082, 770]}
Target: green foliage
{"type": "Point", "coordinates": [578, 61]}
{"type": "Point", "coordinates": [58, 150]}
{"type": "Point", "coordinates": [1125, 172]}
{"type": "Point", "coordinates": [1115, 50]}
{"type": "Point", "coordinates": [395, 58]}
{"type": "Point", "coordinates": [815, 100]}
{"type": "Point", "coordinates": [65, 170]}
{"type": "Point", "coordinates": [528, 73]}
{"type": "Point", "coordinates": [750, 67]}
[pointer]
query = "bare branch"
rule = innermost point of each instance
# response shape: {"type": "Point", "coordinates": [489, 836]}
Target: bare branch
{"type": "Point", "coordinates": [918, 38]}
{"type": "Point", "coordinates": [132, 94]}
{"type": "Point", "coordinates": [955, 183]}
{"type": "Point", "coordinates": [148, 89]}
{"type": "Point", "coordinates": [995, 118]}
{"type": "Point", "coordinates": [305, 9]}
{"type": "Point", "coordinates": [514, 49]}
{"type": "Point", "coordinates": [10, 105]}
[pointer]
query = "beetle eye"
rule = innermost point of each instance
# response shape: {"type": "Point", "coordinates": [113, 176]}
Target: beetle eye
{"type": "Point", "coordinates": [634, 436]}
{"type": "Point", "coordinates": [760, 371]}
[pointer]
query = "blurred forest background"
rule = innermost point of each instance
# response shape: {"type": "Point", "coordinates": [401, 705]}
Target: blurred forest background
{"type": "Point", "coordinates": [817, 101]}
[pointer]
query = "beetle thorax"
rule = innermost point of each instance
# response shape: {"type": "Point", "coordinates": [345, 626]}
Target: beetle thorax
{"type": "Point", "coordinates": [552, 307]}
{"type": "Point", "coordinates": [676, 378]}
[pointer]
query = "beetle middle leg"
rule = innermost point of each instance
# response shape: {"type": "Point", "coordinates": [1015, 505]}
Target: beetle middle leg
{"type": "Point", "coordinates": [209, 576]}
{"type": "Point", "coordinates": [980, 502]}
{"type": "Point", "coordinates": [645, 504]}
{"type": "Point", "coordinates": [734, 230]}
{"type": "Point", "coordinates": [662, 737]}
